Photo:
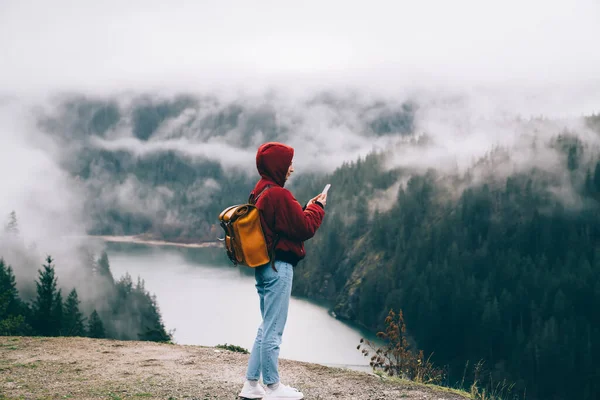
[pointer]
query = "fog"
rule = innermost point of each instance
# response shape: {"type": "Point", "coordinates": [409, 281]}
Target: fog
{"type": "Point", "coordinates": [32, 181]}
{"type": "Point", "coordinates": [481, 75]}
{"type": "Point", "coordinates": [46, 200]}
{"type": "Point", "coordinates": [78, 45]}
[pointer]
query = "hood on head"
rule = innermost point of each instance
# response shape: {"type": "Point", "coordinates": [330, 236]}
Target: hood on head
{"type": "Point", "coordinates": [273, 161]}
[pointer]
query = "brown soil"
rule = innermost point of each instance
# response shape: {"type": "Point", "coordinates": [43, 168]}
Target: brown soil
{"type": "Point", "coordinates": [82, 368]}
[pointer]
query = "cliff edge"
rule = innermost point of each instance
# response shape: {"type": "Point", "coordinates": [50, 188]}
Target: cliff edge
{"type": "Point", "coordinates": [83, 368]}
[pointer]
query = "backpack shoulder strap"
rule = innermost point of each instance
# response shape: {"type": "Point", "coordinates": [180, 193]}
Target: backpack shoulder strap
{"type": "Point", "coordinates": [252, 200]}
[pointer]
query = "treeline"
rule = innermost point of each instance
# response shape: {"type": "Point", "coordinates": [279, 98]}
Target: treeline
{"type": "Point", "coordinates": [197, 190]}
{"type": "Point", "coordinates": [506, 271]}
{"type": "Point", "coordinates": [192, 190]}
{"type": "Point", "coordinates": [501, 267]}
{"type": "Point", "coordinates": [129, 312]}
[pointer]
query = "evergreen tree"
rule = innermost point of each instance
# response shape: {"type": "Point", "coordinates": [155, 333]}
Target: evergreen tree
{"type": "Point", "coordinates": [58, 313]}
{"type": "Point", "coordinates": [133, 303]}
{"type": "Point", "coordinates": [9, 296]}
{"type": "Point", "coordinates": [362, 217]}
{"type": "Point", "coordinates": [73, 320]}
{"type": "Point", "coordinates": [572, 159]}
{"type": "Point", "coordinates": [153, 328]}
{"type": "Point", "coordinates": [12, 310]}
{"type": "Point", "coordinates": [104, 268]}
{"type": "Point", "coordinates": [589, 184]}
{"type": "Point", "coordinates": [597, 177]}
{"type": "Point", "coordinates": [47, 307]}
{"type": "Point", "coordinates": [12, 226]}
{"type": "Point", "coordinates": [95, 326]}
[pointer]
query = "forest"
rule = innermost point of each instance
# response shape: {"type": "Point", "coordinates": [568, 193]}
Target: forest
{"type": "Point", "coordinates": [499, 263]}
{"type": "Point", "coordinates": [504, 272]}
{"type": "Point", "coordinates": [127, 311]}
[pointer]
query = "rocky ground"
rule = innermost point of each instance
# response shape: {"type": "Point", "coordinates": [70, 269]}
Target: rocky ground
{"type": "Point", "coordinates": [81, 368]}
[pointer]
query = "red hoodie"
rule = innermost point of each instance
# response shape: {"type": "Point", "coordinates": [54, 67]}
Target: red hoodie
{"type": "Point", "coordinates": [284, 221]}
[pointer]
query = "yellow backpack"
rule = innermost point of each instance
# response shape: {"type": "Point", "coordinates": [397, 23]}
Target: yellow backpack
{"type": "Point", "coordinates": [244, 238]}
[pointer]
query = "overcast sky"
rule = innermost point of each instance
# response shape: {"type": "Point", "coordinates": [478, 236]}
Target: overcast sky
{"type": "Point", "coordinates": [114, 44]}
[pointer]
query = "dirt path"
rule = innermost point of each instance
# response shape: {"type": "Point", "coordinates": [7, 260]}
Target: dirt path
{"type": "Point", "coordinates": [81, 368]}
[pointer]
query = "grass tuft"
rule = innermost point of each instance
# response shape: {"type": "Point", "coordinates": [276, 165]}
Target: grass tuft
{"type": "Point", "coordinates": [232, 347]}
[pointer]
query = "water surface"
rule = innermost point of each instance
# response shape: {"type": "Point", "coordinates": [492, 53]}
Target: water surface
{"type": "Point", "coordinates": [208, 302]}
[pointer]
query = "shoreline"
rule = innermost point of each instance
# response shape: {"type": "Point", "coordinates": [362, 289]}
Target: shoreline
{"type": "Point", "coordinates": [153, 242]}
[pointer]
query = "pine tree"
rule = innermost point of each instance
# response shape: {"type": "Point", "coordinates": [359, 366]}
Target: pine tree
{"type": "Point", "coordinates": [589, 183]}
{"type": "Point", "coordinates": [57, 313]}
{"type": "Point", "coordinates": [151, 323]}
{"type": "Point", "coordinates": [12, 310]}
{"type": "Point", "coordinates": [597, 177]}
{"type": "Point", "coordinates": [8, 291]}
{"type": "Point", "coordinates": [73, 320]}
{"type": "Point", "coordinates": [47, 306]}
{"type": "Point", "coordinates": [95, 326]}
{"type": "Point", "coordinates": [104, 268]}
{"type": "Point", "coordinates": [572, 159]}
{"type": "Point", "coordinates": [361, 211]}
{"type": "Point", "coordinates": [12, 226]}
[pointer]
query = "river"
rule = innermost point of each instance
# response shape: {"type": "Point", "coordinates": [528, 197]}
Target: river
{"type": "Point", "coordinates": [208, 301]}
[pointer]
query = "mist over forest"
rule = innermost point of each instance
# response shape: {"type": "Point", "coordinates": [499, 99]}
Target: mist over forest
{"type": "Point", "coordinates": [457, 216]}
{"type": "Point", "coordinates": [461, 140]}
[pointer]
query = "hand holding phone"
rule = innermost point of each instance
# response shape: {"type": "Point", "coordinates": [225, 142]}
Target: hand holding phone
{"type": "Point", "coordinates": [321, 197]}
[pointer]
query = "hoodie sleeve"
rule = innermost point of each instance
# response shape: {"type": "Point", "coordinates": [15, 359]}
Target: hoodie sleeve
{"type": "Point", "coordinates": [294, 222]}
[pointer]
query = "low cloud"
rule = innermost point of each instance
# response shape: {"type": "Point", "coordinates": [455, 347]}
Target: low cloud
{"type": "Point", "coordinates": [221, 152]}
{"type": "Point", "coordinates": [47, 201]}
{"type": "Point", "coordinates": [386, 46]}
{"type": "Point", "coordinates": [481, 141]}
{"type": "Point", "coordinates": [45, 198]}
{"type": "Point", "coordinates": [451, 132]}
{"type": "Point", "coordinates": [326, 130]}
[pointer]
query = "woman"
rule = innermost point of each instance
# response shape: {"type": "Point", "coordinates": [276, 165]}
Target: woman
{"type": "Point", "coordinates": [286, 225]}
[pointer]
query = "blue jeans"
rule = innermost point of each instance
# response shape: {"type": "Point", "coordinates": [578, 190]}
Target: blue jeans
{"type": "Point", "coordinates": [274, 289]}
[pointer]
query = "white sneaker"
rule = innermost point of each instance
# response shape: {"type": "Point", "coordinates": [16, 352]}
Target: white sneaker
{"type": "Point", "coordinates": [252, 392]}
{"type": "Point", "coordinates": [283, 392]}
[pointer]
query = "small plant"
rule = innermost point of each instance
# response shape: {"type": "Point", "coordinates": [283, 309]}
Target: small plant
{"type": "Point", "coordinates": [232, 347]}
{"type": "Point", "coordinates": [492, 391]}
{"type": "Point", "coordinates": [396, 358]}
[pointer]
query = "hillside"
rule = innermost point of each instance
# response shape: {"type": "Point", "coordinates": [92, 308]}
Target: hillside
{"type": "Point", "coordinates": [165, 167]}
{"type": "Point", "coordinates": [81, 368]}
{"type": "Point", "coordinates": [498, 250]}
{"type": "Point", "coordinates": [507, 269]}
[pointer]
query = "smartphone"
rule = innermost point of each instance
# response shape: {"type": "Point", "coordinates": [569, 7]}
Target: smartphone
{"type": "Point", "coordinates": [326, 189]}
